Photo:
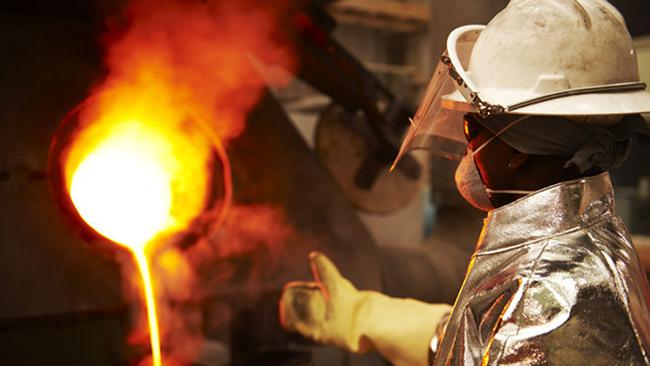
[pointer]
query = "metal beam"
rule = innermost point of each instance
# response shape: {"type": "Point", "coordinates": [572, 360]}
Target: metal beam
{"type": "Point", "coordinates": [391, 15]}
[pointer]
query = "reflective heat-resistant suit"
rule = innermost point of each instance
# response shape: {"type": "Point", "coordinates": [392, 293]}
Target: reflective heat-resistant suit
{"type": "Point", "coordinates": [554, 280]}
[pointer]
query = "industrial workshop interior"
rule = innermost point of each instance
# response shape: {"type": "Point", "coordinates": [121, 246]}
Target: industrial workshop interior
{"type": "Point", "coordinates": [324, 182]}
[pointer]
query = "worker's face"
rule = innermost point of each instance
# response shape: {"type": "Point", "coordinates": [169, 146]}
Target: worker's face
{"type": "Point", "coordinates": [492, 160]}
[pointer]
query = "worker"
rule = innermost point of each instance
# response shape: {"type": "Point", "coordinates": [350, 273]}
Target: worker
{"type": "Point", "coordinates": [538, 105]}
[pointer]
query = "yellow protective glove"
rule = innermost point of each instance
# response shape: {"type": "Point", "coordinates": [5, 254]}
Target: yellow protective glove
{"type": "Point", "coordinates": [332, 311]}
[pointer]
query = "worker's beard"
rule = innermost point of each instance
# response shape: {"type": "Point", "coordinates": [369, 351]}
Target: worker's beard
{"type": "Point", "coordinates": [469, 184]}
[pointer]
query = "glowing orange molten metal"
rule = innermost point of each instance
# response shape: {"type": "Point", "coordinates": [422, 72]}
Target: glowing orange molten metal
{"type": "Point", "coordinates": [122, 190]}
{"type": "Point", "coordinates": [180, 82]}
{"type": "Point", "coordinates": [137, 182]}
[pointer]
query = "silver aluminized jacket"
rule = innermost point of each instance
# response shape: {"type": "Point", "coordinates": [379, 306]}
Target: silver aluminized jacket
{"type": "Point", "coordinates": [554, 280]}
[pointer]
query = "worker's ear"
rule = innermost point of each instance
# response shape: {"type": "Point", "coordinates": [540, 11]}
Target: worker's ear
{"type": "Point", "coordinates": [517, 160]}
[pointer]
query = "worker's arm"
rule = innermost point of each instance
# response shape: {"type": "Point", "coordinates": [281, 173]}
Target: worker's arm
{"type": "Point", "coordinates": [332, 311]}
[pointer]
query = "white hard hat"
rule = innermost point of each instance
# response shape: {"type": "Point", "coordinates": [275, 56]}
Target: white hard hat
{"type": "Point", "coordinates": [536, 57]}
{"type": "Point", "coordinates": [536, 48]}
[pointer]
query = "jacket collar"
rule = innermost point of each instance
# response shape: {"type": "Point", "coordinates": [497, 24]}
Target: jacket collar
{"type": "Point", "coordinates": [556, 209]}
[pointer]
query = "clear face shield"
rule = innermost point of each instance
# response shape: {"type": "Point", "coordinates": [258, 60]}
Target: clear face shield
{"type": "Point", "coordinates": [435, 127]}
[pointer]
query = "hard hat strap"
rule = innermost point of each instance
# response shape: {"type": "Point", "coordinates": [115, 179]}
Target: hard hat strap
{"type": "Point", "coordinates": [487, 109]}
{"type": "Point", "coordinates": [616, 87]}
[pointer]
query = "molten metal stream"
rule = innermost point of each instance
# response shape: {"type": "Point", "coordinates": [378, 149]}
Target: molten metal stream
{"type": "Point", "coordinates": [150, 300]}
{"type": "Point", "coordinates": [135, 182]}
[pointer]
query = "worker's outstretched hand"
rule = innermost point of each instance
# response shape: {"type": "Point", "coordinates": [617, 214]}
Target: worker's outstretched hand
{"type": "Point", "coordinates": [332, 311]}
{"type": "Point", "coordinates": [325, 310]}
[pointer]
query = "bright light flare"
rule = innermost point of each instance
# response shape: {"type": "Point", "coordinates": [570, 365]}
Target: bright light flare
{"type": "Point", "coordinates": [122, 190]}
